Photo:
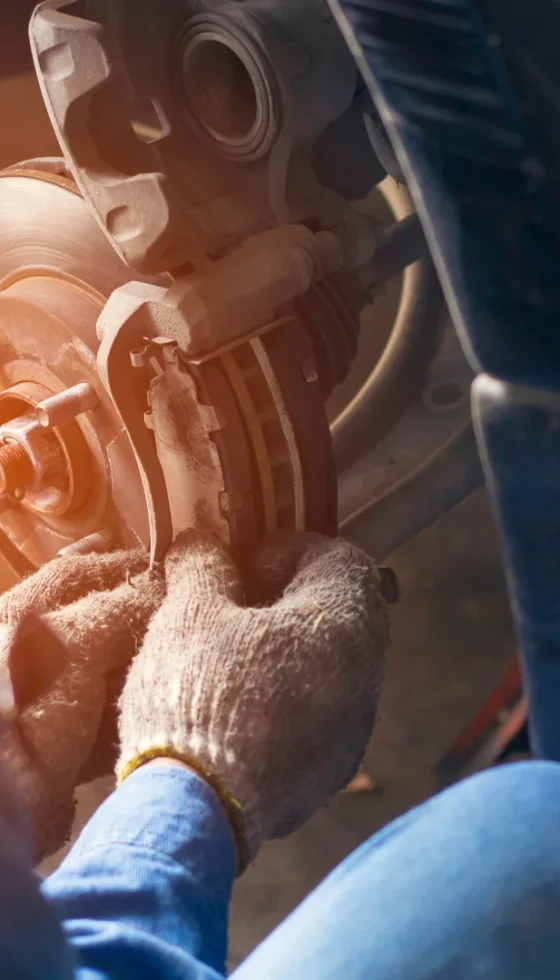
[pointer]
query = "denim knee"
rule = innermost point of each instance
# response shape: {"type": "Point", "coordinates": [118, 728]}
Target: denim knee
{"type": "Point", "coordinates": [514, 812]}
{"type": "Point", "coordinates": [501, 825]}
{"type": "Point", "coordinates": [467, 885]}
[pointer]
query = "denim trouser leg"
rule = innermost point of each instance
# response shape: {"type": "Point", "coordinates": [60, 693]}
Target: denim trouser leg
{"type": "Point", "coordinates": [465, 886]}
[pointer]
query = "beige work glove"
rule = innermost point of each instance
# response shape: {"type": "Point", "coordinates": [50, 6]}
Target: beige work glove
{"type": "Point", "coordinates": [273, 704]}
{"type": "Point", "coordinates": [62, 630]}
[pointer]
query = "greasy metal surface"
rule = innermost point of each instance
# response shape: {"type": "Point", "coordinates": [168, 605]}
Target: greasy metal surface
{"type": "Point", "coordinates": [47, 338]}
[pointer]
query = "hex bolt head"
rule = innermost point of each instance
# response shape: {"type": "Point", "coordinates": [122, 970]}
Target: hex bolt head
{"type": "Point", "coordinates": [66, 405]}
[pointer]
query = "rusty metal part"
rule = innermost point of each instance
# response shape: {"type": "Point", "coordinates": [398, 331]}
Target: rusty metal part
{"type": "Point", "coordinates": [59, 469]}
{"type": "Point", "coordinates": [188, 456]}
{"type": "Point", "coordinates": [284, 428]}
{"type": "Point", "coordinates": [60, 409]}
{"type": "Point", "coordinates": [16, 470]}
{"type": "Point", "coordinates": [97, 543]}
{"type": "Point", "coordinates": [45, 470]}
{"type": "Point", "coordinates": [171, 177]}
{"type": "Point", "coordinates": [185, 480]}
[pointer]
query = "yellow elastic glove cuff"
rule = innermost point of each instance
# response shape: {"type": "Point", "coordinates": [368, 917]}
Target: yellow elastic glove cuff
{"type": "Point", "coordinates": [232, 808]}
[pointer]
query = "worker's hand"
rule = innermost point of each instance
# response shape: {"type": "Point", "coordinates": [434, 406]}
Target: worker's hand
{"type": "Point", "coordinates": [273, 703]}
{"type": "Point", "coordinates": [61, 631]}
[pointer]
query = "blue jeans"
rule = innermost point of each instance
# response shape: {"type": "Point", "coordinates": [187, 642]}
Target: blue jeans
{"type": "Point", "coordinates": [465, 886]}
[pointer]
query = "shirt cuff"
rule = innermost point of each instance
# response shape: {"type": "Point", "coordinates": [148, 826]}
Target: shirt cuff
{"type": "Point", "coordinates": [171, 811]}
{"type": "Point", "coordinates": [145, 890]}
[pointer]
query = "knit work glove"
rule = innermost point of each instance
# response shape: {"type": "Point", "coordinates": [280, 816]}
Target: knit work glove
{"type": "Point", "coordinates": [61, 631]}
{"type": "Point", "coordinates": [273, 704]}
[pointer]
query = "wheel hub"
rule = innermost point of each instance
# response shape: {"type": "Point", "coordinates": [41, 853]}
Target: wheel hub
{"type": "Point", "coordinates": [58, 482]}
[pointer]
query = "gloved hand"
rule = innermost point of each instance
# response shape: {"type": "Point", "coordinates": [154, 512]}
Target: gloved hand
{"type": "Point", "coordinates": [79, 617]}
{"type": "Point", "coordinates": [273, 704]}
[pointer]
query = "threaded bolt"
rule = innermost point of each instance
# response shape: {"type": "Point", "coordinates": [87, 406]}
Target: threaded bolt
{"type": "Point", "coordinates": [66, 405]}
{"type": "Point", "coordinates": [16, 470]}
{"type": "Point", "coordinates": [97, 543]}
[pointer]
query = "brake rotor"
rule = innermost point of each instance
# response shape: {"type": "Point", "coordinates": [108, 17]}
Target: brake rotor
{"type": "Point", "coordinates": [256, 422]}
{"type": "Point", "coordinates": [56, 269]}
